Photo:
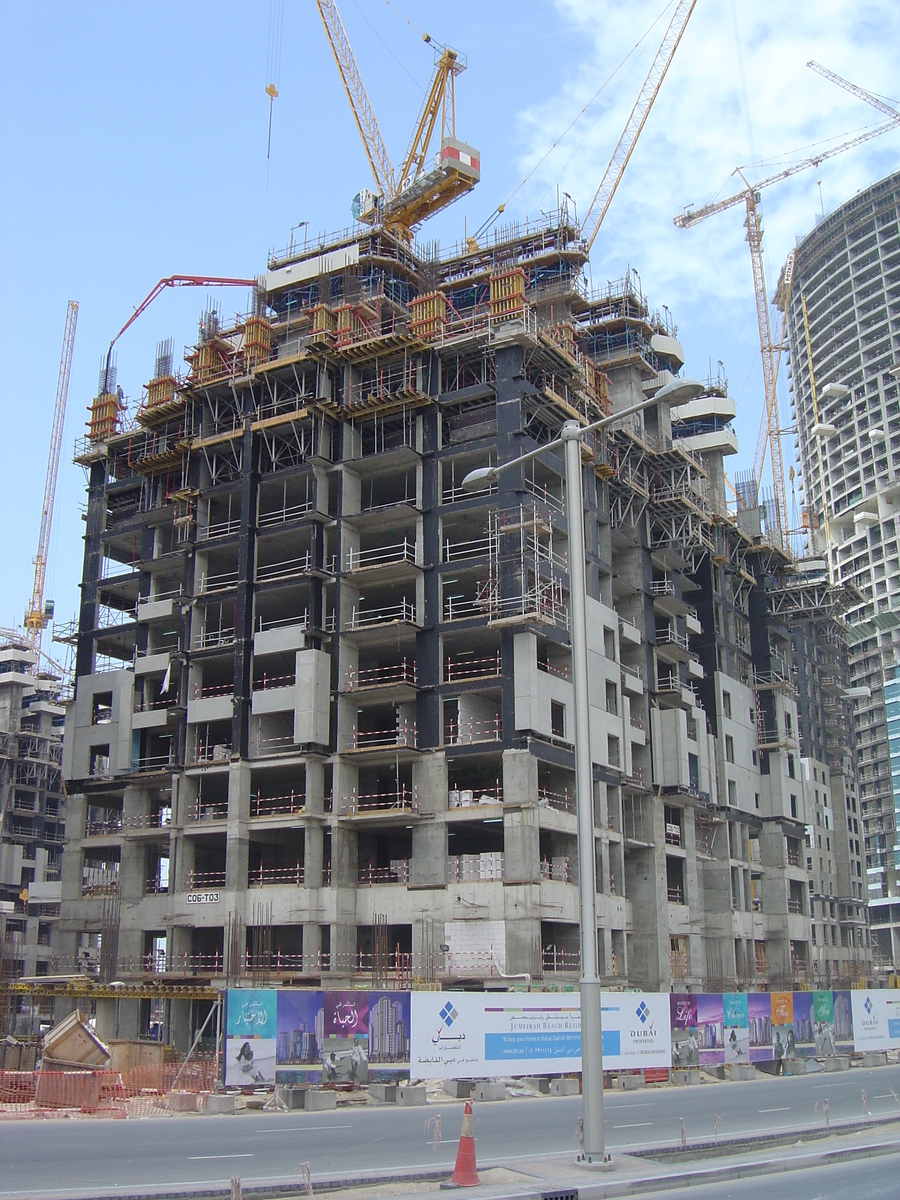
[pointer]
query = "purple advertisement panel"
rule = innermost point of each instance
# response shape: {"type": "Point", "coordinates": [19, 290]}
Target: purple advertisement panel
{"type": "Point", "coordinates": [300, 1037]}
{"type": "Point", "coordinates": [685, 1040]}
{"type": "Point", "coordinates": [759, 1016]}
{"type": "Point", "coordinates": [345, 1050]}
{"type": "Point", "coordinates": [711, 1029]}
{"type": "Point", "coordinates": [737, 1027]}
{"type": "Point", "coordinates": [389, 1032]}
{"type": "Point", "coordinates": [801, 1041]}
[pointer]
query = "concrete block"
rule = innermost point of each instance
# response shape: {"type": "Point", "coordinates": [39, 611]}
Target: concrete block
{"type": "Point", "coordinates": [487, 1089]}
{"type": "Point", "coordinates": [840, 1062]}
{"type": "Point", "coordinates": [383, 1093]}
{"type": "Point", "coordinates": [742, 1071]}
{"type": "Point", "coordinates": [564, 1087]}
{"type": "Point", "coordinates": [875, 1058]}
{"type": "Point", "coordinates": [184, 1102]}
{"type": "Point", "coordinates": [316, 1101]}
{"type": "Point", "coordinates": [685, 1075]}
{"type": "Point", "coordinates": [459, 1089]}
{"type": "Point", "coordinates": [290, 1097]}
{"type": "Point", "coordinates": [799, 1066]}
{"type": "Point", "coordinates": [219, 1104]}
{"type": "Point", "coordinates": [632, 1083]}
{"type": "Point", "coordinates": [542, 1083]}
{"type": "Point", "coordinates": [716, 1072]}
{"type": "Point", "coordinates": [411, 1097]}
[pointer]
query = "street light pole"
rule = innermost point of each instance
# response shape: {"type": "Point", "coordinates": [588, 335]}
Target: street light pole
{"type": "Point", "coordinates": [571, 436]}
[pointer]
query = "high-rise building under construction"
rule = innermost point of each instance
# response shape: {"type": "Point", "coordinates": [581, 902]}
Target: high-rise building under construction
{"type": "Point", "coordinates": [843, 324]}
{"type": "Point", "coordinates": [323, 723]}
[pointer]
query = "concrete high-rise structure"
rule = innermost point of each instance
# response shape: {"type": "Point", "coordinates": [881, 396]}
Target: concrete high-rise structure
{"type": "Point", "coordinates": [843, 323]}
{"type": "Point", "coordinates": [32, 815]}
{"type": "Point", "coordinates": [321, 686]}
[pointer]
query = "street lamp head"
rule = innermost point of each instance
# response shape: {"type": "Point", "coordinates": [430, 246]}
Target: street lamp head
{"type": "Point", "coordinates": [479, 479]}
{"type": "Point", "coordinates": [680, 391]}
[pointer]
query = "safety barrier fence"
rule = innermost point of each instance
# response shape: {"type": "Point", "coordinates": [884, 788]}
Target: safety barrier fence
{"type": "Point", "coordinates": [141, 1091]}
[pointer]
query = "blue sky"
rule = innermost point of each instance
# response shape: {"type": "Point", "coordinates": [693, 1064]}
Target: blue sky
{"type": "Point", "coordinates": [133, 138]}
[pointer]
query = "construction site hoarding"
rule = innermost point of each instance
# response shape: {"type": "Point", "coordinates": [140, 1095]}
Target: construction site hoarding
{"type": "Point", "coordinates": [295, 1035]}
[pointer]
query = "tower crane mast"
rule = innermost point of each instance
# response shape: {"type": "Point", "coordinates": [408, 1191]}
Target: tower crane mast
{"type": "Point", "coordinates": [36, 617]}
{"type": "Point", "coordinates": [612, 176]}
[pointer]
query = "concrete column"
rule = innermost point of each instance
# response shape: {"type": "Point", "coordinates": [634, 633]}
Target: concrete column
{"type": "Point", "coordinates": [237, 850]}
{"type": "Point", "coordinates": [428, 867]}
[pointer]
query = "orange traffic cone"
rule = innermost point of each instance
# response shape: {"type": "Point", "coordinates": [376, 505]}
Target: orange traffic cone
{"type": "Point", "coordinates": [465, 1173]}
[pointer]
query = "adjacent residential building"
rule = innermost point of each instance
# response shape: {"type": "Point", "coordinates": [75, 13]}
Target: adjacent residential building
{"type": "Point", "coordinates": [32, 815]}
{"type": "Point", "coordinates": [843, 323]}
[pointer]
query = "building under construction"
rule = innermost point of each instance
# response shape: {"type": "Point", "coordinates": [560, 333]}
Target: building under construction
{"type": "Point", "coordinates": [32, 816]}
{"type": "Point", "coordinates": [323, 717]}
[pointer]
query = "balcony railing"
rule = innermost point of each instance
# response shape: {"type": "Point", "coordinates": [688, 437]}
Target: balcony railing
{"type": "Point", "coordinates": [471, 867]}
{"type": "Point", "coordinates": [675, 893]}
{"type": "Point", "coordinates": [204, 811]}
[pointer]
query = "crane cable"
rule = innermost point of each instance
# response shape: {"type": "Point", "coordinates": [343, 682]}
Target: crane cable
{"type": "Point", "coordinates": [500, 207]}
{"type": "Point", "coordinates": [273, 61]}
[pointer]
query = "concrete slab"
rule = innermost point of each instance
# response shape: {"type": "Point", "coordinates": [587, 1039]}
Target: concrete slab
{"type": "Point", "coordinates": [685, 1075]}
{"type": "Point", "coordinates": [383, 1093]}
{"type": "Point", "coordinates": [220, 1104]}
{"type": "Point", "coordinates": [316, 1101]}
{"type": "Point", "coordinates": [411, 1097]}
{"type": "Point", "coordinates": [488, 1090]}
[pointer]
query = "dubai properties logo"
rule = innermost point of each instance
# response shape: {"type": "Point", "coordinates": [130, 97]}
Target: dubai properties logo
{"type": "Point", "coordinates": [642, 1012]}
{"type": "Point", "coordinates": [448, 1014]}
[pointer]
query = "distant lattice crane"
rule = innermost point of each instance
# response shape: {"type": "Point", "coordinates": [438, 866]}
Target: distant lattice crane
{"type": "Point", "coordinates": [769, 346]}
{"type": "Point", "coordinates": [38, 615]}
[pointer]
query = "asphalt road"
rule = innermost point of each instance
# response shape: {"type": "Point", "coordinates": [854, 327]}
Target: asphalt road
{"type": "Point", "coordinates": [106, 1156]}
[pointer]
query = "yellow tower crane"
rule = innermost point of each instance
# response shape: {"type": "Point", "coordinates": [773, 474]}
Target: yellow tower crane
{"type": "Point", "coordinates": [39, 614]}
{"type": "Point", "coordinates": [770, 346]}
{"type": "Point", "coordinates": [418, 190]}
{"type": "Point", "coordinates": [615, 169]}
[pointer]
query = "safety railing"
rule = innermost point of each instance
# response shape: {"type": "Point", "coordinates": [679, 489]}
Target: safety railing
{"type": "Point", "coordinates": [366, 618]}
{"type": "Point", "coordinates": [377, 556]}
{"type": "Point", "coordinates": [403, 798]}
{"type": "Point", "coordinates": [371, 677]}
{"type": "Point", "coordinates": [401, 736]}
{"type": "Point", "coordinates": [397, 872]}
{"type": "Point", "coordinates": [205, 879]}
{"type": "Point", "coordinates": [465, 667]}
{"type": "Point", "coordinates": [557, 868]}
{"type": "Point", "coordinates": [287, 568]}
{"type": "Point", "coordinates": [276, 806]}
{"type": "Point", "coordinates": [564, 800]}
{"type": "Point", "coordinates": [262, 876]}
{"type": "Point", "coordinates": [458, 733]}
